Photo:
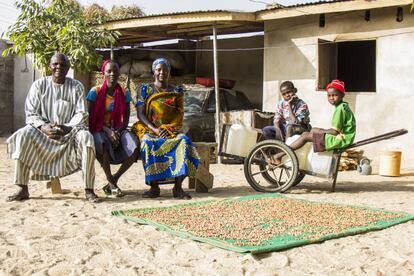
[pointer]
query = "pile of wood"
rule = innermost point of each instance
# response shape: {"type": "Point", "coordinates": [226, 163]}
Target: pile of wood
{"type": "Point", "coordinates": [350, 159]}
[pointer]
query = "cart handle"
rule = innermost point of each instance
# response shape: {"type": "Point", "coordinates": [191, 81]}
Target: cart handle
{"type": "Point", "coordinates": [385, 136]}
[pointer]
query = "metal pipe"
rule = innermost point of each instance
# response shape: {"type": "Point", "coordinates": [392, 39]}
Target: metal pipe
{"type": "Point", "coordinates": [216, 90]}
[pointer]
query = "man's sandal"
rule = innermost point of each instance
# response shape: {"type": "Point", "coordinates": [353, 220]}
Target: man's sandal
{"type": "Point", "coordinates": [92, 197]}
{"type": "Point", "coordinates": [17, 197]}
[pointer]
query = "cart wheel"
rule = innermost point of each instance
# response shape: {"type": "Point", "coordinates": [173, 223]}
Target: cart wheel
{"type": "Point", "coordinates": [261, 172]}
{"type": "Point", "coordinates": [299, 179]}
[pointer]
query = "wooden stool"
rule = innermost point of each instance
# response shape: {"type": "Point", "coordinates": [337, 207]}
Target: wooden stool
{"type": "Point", "coordinates": [203, 181]}
{"type": "Point", "coordinates": [54, 185]}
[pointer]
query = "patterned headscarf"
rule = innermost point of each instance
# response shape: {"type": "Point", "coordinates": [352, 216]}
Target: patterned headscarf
{"type": "Point", "coordinates": [159, 61]}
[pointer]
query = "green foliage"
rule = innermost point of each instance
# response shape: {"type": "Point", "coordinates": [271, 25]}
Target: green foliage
{"type": "Point", "coordinates": [46, 27]}
{"type": "Point", "coordinates": [95, 14]}
{"type": "Point", "coordinates": [124, 12]}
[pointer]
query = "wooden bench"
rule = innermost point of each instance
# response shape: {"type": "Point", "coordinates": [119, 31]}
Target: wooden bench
{"type": "Point", "coordinates": [203, 181]}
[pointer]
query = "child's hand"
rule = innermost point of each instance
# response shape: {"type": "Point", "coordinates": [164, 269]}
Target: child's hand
{"type": "Point", "coordinates": [293, 99]}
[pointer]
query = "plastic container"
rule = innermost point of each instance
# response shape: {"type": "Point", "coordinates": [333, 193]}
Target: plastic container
{"type": "Point", "coordinates": [390, 163]}
{"type": "Point", "coordinates": [319, 163]}
{"type": "Point", "coordinates": [302, 153]}
{"type": "Point", "coordinates": [240, 140]}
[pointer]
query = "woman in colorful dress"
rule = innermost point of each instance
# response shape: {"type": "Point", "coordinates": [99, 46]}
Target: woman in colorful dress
{"type": "Point", "coordinates": [166, 153]}
{"type": "Point", "coordinates": [109, 110]}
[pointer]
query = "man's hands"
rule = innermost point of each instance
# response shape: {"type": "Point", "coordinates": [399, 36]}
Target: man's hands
{"type": "Point", "coordinates": [55, 131]}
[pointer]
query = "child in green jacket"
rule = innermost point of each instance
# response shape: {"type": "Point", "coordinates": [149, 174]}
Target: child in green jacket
{"type": "Point", "coordinates": [343, 130]}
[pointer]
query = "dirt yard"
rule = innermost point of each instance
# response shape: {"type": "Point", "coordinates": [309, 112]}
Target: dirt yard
{"type": "Point", "coordinates": [64, 234]}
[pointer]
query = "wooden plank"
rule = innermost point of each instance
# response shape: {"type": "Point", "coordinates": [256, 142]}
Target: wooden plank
{"type": "Point", "coordinates": [54, 185]}
{"type": "Point", "coordinates": [200, 188]}
{"type": "Point", "coordinates": [232, 30]}
{"type": "Point", "coordinates": [204, 177]}
{"type": "Point", "coordinates": [193, 25]}
{"type": "Point", "coordinates": [191, 183]}
{"type": "Point", "coordinates": [203, 181]}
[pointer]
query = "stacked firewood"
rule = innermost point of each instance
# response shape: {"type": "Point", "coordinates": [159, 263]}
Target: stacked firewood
{"type": "Point", "coordinates": [350, 159]}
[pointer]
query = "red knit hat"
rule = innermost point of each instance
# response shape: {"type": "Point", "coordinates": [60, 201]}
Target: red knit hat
{"type": "Point", "coordinates": [338, 85]}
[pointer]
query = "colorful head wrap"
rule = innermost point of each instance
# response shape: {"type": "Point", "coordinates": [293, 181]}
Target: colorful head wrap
{"type": "Point", "coordinates": [159, 61]}
{"type": "Point", "coordinates": [338, 85]}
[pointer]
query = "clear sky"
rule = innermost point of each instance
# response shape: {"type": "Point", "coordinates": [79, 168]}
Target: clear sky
{"type": "Point", "coordinates": [168, 6]}
{"type": "Point", "coordinates": [9, 12]}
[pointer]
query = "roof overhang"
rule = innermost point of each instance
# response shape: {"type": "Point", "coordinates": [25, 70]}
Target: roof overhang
{"type": "Point", "coordinates": [198, 24]}
{"type": "Point", "coordinates": [188, 25]}
{"type": "Point", "coordinates": [327, 7]}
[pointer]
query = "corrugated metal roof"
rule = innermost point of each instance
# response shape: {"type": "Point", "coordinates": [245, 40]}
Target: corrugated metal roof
{"type": "Point", "coordinates": [306, 4]}
{"type": "Point", "coordinates": [280, 7]}
{"type": "Point", "coordinates": [174, 13]}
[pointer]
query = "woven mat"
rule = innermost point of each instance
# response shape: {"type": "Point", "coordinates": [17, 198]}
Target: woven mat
{"type": "Point", "coordinates": [263, 223]}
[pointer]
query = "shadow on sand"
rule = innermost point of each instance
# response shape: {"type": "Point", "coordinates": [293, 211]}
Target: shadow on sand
{"type": "Point", "coordinates": [236, 191]}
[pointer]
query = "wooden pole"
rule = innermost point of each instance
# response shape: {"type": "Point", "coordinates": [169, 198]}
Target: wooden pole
{"type": "Point", "coordinates": [217, 90]}
{"type": "Point", "coordinates": [112, 53]}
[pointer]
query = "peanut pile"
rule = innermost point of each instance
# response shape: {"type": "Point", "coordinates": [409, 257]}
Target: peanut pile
{"type": "Point", "coordinates": [257, 221]}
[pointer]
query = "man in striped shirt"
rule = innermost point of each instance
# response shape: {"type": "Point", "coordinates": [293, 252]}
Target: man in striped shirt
{"type": "Point", "coordinates": [55, 141]}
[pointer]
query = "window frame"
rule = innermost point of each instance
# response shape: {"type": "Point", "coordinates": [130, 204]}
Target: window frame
{"type": "Point", "coordinates": [320, 41]}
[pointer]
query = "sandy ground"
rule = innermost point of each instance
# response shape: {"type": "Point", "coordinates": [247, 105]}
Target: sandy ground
{"type": "Point", "coordinates": [64, 234]}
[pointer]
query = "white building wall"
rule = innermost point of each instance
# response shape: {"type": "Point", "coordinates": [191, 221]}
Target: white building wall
{"type": "Point", "coordinates": [291, 54]}
{"type": "Point", "coordinates": [23, 79]}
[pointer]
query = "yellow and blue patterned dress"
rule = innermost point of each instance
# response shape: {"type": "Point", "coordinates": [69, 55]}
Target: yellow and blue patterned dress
{"type": "Point", "coordinates": [170, 157]}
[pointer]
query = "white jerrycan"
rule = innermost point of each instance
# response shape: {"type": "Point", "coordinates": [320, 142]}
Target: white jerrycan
{"type": "Point", "coordinates": [304, 154]}
{"type": "Point", "coordinates": [240, 140]}
{"type": "Point", "coordinates": [318, 163]}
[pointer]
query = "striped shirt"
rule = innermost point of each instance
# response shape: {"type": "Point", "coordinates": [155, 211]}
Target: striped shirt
{"type": "Point", "coordinates": [49, 102]}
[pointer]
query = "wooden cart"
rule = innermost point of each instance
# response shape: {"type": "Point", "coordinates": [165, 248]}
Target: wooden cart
{"type": "Point", "coordinates": [263, 176]}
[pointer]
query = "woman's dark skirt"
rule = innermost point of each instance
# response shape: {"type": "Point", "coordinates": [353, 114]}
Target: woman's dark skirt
{"type": "Point", "coordinates": [128, 144]}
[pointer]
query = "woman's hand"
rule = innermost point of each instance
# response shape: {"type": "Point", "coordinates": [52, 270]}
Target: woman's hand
{"type": "Point", "coordinates": [164, 133]}
{"type": "Point", "coordinates": [161, 132]}
{"type": "Point", "coordinates": [114, 137]}
{"type": "Point", "coordinates": [156, 131]}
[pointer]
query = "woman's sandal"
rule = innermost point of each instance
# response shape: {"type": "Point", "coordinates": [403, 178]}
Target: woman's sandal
{"type": "Point", "coordinates": [152, 193]}
{"type": "Point", "coordinates": [114, 191]}
{"type": "Point", "coordinates": [181, 195]}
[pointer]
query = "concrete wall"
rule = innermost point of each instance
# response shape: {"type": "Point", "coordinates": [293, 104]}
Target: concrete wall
{"type": "Point", "coordinates": [24, 75]}
{"type": "Point", "coordinates": [294, 57]}
{"type": "Point", "coordinates": [6, 91]}
{"type": "Point", "coordinates": [246, 67]}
